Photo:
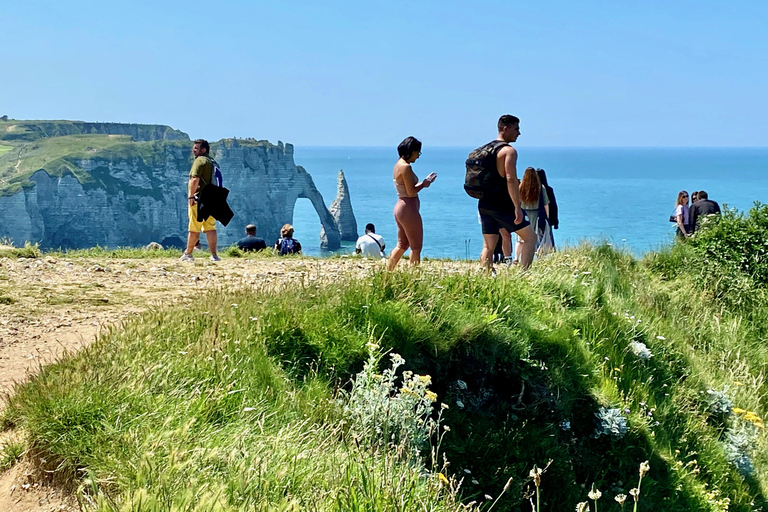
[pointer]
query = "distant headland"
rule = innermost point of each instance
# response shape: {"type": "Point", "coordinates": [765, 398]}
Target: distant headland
{"type": "Point", "coordinates": [75, 184]}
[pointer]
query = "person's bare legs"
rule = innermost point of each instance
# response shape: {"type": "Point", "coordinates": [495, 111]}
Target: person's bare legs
{"type": "Point", "coordinates": [415, 257]}
{"type": "Point", "coordinates": [395, 256]}
{"type": "Point", "coordinates": [192, 239]}
{"type": "Point", "coordinates": [506, 242]}
{"type": "Point", "coordinates": [489, 244]}
{"type": "Point", "coordinates": [212, 239]}
{"type": "Point", "coordinates": [526, 246]}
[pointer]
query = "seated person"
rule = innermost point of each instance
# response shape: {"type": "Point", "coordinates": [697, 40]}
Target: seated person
{"type": "Point", "coordinates": [251, 242]}
{"type": "Point", "coordinates": [286, 244]}
{"type": "Point", "coordinates": [370, 245]}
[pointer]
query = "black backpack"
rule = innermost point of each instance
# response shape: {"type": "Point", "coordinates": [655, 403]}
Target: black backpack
{"type": "Point", "coordinates": [481, 166]}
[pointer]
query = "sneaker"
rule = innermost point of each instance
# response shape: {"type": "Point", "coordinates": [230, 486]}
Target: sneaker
{"type": "Point", "coordinates": [510, 261]}
{"type": "Point", "coordinates": [187, 257]}
{"type": "Point", "coordinates": [214, 258]}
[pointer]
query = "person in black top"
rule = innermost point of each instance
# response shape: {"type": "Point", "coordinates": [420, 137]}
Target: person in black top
{"type": "Point", "coordinates": [702, 208]}
{"type": "Point", "coordinates": [552, 218]}
{"type": "Point", "coordinates": [251, 242]}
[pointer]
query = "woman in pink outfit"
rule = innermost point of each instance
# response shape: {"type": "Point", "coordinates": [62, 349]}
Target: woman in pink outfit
{"type": "Point", "coordinates": [410, 233]}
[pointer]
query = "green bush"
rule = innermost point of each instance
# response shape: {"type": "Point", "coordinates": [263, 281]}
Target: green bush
{"type": "Point", "coordinates": [736, 241]}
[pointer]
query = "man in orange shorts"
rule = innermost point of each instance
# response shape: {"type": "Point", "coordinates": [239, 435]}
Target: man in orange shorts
{"type": "Point", "coordinates": [200, 176]}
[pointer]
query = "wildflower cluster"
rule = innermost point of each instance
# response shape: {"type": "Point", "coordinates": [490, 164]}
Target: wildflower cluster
{"type": "Point", "coordinates": [640, 350]}
{"type": "Point", "coordinates": [382, 413]}
{"type": "Point", "coordinates": [749, 417]}
{"type": "Point", "coordinates": [610, 422]}
{"type": "Point", "coordinates": [719, 403]}
{"type": "Point", "coordinates": [739, 444]}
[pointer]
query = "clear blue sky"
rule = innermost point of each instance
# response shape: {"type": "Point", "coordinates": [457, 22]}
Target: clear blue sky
{"type": "Point", "coordinates": [588, 73]}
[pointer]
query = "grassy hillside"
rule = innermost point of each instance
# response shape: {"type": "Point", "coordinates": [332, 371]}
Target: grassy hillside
{"type": "Point", "coordinates": [33, 145]}
{"type": "Point", "coordinates": [592, 360]}
{"type": "Point", "coordinates": [62, 155]}
{"type": "Point", "coordinates": [18, 131]}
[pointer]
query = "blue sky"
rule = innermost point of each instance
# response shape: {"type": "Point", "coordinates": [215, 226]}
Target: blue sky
{"type": "Point", "coordinates": [590, 73]}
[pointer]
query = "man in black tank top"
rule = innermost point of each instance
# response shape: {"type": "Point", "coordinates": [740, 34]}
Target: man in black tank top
{"type": "Point", "coordinates": [502, 209]}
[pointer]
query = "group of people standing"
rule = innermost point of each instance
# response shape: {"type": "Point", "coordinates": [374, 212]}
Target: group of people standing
{"type": "Point", "coordinates": [687, 217]}
{"type": "Point", "coordinates": [526, 208]}
{"type": "Point", "coordinates": [508, 206]}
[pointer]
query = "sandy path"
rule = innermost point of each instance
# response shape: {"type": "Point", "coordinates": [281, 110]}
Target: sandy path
{"type": "Point", "coordinates": [48, 306]}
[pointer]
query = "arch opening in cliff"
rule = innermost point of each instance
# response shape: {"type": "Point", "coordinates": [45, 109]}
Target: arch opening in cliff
{"type": "Point", "coordinates": [307, 225]}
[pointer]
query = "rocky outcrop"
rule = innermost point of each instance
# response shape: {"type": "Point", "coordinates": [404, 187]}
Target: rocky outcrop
{"type": "Point", "coordinates": [341, 209]}
{"type": "Point", "coordinates": [264, 185]}
{"type": "Point", "coordinates": [136, 194]}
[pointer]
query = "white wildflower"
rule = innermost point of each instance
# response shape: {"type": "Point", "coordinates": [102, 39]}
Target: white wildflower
{"type": "Point", "coordinates": [640, 350]}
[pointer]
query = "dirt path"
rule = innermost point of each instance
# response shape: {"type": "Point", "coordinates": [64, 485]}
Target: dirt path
{"type": "Point", "coordinates": [49, 306]}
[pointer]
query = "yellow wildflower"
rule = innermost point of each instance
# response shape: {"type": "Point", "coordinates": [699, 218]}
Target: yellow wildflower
{"type": "Point", "coordinates": [751, 416]}
{"type": "Point", "coordinates": [738, 383]}
{"type": "Point", "coordinates": [442, 479]}
{"type": "Point", "coordinates": [738, 410]}
{"type": "Point", "coordinates": [426, 379]}
{"type": "Point", "coordinates": [429, 395]}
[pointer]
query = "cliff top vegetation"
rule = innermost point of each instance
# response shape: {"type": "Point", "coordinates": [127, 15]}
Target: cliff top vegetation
{"type": "Point", "coordinates": [62, 147]}
{"type": "Point", "coordinates": [593, 360]}
{"type": "Point", "coordinates": [17, 131]}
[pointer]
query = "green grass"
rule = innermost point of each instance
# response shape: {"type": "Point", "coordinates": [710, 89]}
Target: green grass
{"type": "Point", "coordinates": [28, 251]}
{"type": "Point", "coordinates": [60, 156]}
{"type": "Point", "coordinates": [231, 406]}
{"type": "Point", "coordinates": [4, 149]}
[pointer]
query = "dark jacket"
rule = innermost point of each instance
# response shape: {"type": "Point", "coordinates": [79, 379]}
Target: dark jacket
{"type": "Point", "coordinates": [553, 220]}
{"type": "Point", "coordinates": [251, 243]}
{"type": "Point", "coordinates": [701, 208]}
{"type": "Point", "coordinates": [212, 202]}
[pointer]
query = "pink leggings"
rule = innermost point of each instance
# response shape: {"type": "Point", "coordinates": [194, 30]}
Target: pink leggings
{"type": "Point", "coordinates": [410, 232]}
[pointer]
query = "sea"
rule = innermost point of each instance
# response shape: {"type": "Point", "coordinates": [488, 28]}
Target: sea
{"type": "Point", "coordinates": [622, 196]}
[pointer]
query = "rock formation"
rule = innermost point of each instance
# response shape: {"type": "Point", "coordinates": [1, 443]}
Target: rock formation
{"type": "Point", "coordinates": [133, 193]}
{"type": "Point", "coordinates": [341, 209]}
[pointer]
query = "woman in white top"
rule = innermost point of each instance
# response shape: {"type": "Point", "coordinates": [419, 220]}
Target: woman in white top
{"type": "Point", "coordinates": [681, 214]}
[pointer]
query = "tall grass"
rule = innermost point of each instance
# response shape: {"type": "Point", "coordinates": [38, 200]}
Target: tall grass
{"type": "Point", "coordinates": [232, 405]}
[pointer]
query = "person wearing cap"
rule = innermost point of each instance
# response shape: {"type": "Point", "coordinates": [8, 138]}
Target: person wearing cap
{"type": "Point", "coordinates": [251, 242]}
{"type": "Point", "coordinates": [370, 245]}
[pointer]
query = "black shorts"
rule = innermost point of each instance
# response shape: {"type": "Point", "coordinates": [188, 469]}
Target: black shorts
{"type": "Point", "coordinates": [492, 220]}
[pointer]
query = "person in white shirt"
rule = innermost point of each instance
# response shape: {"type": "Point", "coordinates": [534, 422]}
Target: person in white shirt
{"type": "Point", "coordinates": [370, 245]}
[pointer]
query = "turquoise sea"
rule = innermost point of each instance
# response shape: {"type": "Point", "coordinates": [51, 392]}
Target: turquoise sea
{"type": "Point", "coordinates": [622, 195]}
